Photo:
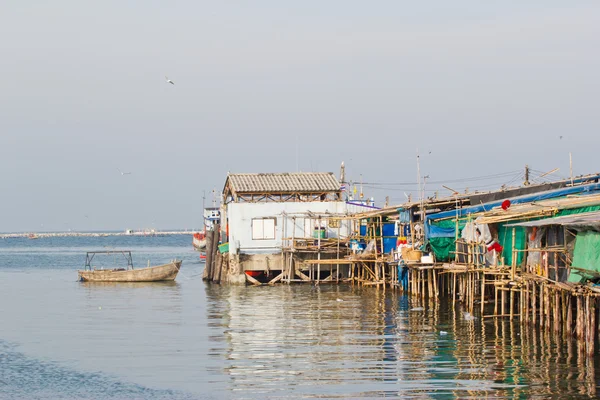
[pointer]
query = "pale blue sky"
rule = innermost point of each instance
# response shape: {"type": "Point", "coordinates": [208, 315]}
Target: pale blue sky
{"type": "Point", "coordinates": [487, 87]}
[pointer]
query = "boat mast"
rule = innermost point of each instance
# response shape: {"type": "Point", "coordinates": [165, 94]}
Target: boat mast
{"type": "Point", "coordinates": [203, 212]}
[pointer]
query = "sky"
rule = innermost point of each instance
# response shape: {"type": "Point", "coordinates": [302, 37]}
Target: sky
{"type": "Point", "coordinates": [477, 89]}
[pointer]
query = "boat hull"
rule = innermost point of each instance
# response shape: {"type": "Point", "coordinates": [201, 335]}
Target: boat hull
{"type": "Point", "coordinates": [166, 272]}
{"type": "Point", "coordinates": [199, 241]}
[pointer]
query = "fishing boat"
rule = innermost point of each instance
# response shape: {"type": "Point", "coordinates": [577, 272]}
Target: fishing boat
{"type": "Point", "coordinates": [165, 272]}
{"type": "Point", "coordinates": [199, 241]}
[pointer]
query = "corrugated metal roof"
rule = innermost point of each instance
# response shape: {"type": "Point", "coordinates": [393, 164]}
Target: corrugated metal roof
{"type": "Point", "coordinates": [584, 219]}
{"type": "Point", "coordinates": [539, 208]}
{"type": "Point", "coordinates": [289, 182]}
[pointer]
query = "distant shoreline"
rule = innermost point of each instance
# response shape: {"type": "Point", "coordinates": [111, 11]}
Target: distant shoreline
{"type": "Point", "coordinates": [39, 235]}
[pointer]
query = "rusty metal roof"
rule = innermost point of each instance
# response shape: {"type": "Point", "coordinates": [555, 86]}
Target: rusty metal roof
{"type": "Point", "coordinates": [288, 182]}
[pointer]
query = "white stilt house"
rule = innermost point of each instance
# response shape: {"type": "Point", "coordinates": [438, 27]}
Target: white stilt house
{"type": "Point", "coordinates": [261, 213]}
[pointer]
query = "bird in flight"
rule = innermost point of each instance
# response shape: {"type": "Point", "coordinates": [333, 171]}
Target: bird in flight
{"type": "Point", "coordinates": [124, 173]}
{"type": "Point", "coordinates": [560, 137]}
{"type": "Point", "coordinates": [169, 81]}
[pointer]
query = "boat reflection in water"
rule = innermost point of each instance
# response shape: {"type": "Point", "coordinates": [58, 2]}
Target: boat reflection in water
{"type": "Point", "coordinates": [129, 285]}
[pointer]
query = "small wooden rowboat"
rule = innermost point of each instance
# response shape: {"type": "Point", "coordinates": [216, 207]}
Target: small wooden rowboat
{"type": "Point", "coordinates": [165, 272]}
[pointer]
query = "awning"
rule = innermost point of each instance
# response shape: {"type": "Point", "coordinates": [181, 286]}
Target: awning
{"type": "Point", "coordinates": [586, 219]}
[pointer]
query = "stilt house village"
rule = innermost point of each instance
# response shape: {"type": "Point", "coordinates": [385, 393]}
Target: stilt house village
{"type": "Point", "coordinates": [531, 252]}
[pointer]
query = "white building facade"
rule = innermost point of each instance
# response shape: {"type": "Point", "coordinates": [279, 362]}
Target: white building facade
{"type": "Point", "coordinates": [261, 213]}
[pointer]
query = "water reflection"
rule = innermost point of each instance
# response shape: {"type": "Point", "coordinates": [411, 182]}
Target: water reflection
{"type": "Point", "coordinates": [129, 285]}
{"type": "Point", "coordinates": [343, 341]}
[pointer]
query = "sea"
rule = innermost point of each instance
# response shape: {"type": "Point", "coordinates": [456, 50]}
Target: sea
{"type": "Point", "coordinates": [64, 339]}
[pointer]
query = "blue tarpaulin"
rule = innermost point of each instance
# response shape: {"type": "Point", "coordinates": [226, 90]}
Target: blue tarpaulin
{"type": "Point", "coordinates": [551, 194]}
{"type": "Point", "coordinates": [404, 216]}
{"type": "Point", "coordinates": [432, 231]}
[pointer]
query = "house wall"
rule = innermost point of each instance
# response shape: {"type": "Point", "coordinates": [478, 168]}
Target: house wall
{"type": "Point", "coordinates": [240, 216]}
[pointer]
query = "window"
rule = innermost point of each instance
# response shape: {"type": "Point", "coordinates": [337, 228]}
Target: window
{"type": "Point", "coordinates": [263, 228]}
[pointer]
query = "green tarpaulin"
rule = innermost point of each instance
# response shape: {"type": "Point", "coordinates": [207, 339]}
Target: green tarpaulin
{"type": "Point", "coordinates": [572, 211]}
{"type": "Point", "coordinates": [442, 246]}
{"type": "Point", "coordinates": [586, 255]}
{"type": "Point", "coordinates": [505, 237]}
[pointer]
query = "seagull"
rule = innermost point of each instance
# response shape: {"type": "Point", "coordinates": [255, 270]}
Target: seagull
{"type": "Point", "coordinates": [560, 137]}
{"type": "Point", "coordinates": [169, 81]}
{"type": "Point", "coordinates": [124, 173]}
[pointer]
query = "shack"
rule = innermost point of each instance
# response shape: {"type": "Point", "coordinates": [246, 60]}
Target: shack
{"type": "Point", "coordinates": [262, 214]}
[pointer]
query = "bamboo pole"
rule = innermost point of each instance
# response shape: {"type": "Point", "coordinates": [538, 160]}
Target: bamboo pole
{"type": "Point", "coordinates": [512, 300]}
{"type": "Point", "coordinates": [542, 304]}
{"type": "Point", "coordinates": [514, 256]}
{"type": "Point", "coordinates": [556, 311]}
{"type": "Point", "coordinates": [569, 324]}
{"type": "Point", "coordinates": [319, 251]}
{"type": "Point", "coordinates": [454, 287]}
{"type": "Point", "coordinates": [495, 300]}
{"type": "Point", "coordinates": [593, 326]}
{"type": "Point", "coordinates": [521, 304]}
{"type": "Point", "coordinates": [503, 300]}
{"type": "Point", "coordinates": [533, 302]}
{"type": "Point", "coordinates": [482, 291]}
{"type": "Point", "coordinates": [548, 306]}
{"type": "Point", "coordinates": [579, 330]}
{"type": "Point", "coordinates": [337, 272]}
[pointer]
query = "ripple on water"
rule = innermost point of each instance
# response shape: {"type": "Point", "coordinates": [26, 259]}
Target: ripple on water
{"type": "Point", "coordinates": [23, 377]}
{"type": "Point", "coordinates": [192, 340]}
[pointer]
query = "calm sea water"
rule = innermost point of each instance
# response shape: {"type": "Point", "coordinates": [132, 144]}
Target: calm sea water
{"type": "Point", "coordinates": [62, 339]}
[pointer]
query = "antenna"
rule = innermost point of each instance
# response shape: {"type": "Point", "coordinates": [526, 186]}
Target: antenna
{"type": "Point", "coordinates": [418, 172]}
{"type": "Point", "coordinates": [423, 199]}
{"type": "Point", "coordinates": [297, 170]}
{"type": "Point", "coordinates": [203, 210]}
{"type": "Point", "coordinates": [361, 187]}
{"type": "Point", "coordinates": [571, 167]}
{"type": "Point", "coordinates": [420, 187]}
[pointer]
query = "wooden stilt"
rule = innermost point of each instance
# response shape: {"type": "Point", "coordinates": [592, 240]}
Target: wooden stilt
{"type": "Point", "coordinates": [495, 300]}
{"type": "Point", "coordinates": [482, 291]}
{"type": "Point", "coordinates": [579, 330]}
{"type": "Point", "coordinates": [512, 301]}
{"type": "Point", "coordinates": [569, 324]}
{"type": "Point", "coordinates": [557, 312]}
{"type": "Point", "coordinates": [503, 301]}
{"type": "Point", "coordinates": [454, 287]}
{"type": "Point", "coordinates": [533, 302]}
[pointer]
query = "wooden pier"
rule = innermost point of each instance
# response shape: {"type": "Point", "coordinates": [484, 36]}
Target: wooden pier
{"type": "Point", "coordinates": [512, 264]}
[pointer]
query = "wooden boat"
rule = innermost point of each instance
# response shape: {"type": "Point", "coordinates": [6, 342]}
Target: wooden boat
{"type": "Point", "coordinates": [165, 272]}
